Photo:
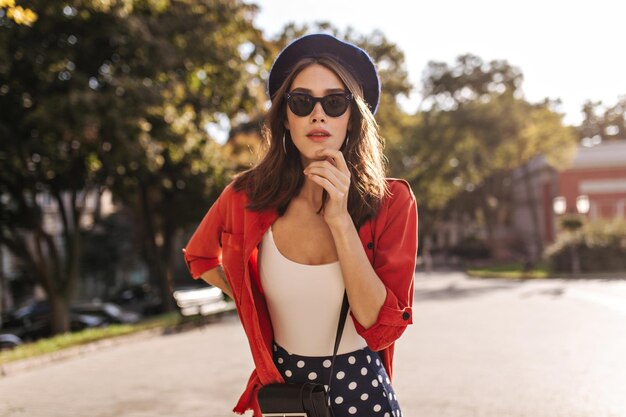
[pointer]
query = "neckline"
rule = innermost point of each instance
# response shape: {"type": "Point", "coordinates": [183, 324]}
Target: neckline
{"type": "Point", "coordinates": [271, 235]}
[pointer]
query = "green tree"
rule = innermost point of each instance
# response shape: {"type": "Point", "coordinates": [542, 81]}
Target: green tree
{"type": "Point", "coordinates": [477, 129]}
{"type": "Point", "coordinates": [116, 95]}
{"type": "Point", "coordinates": [603, 123]}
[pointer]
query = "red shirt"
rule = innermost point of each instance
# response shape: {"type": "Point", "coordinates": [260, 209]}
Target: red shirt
{"type": "Point", "coordinates": [229, 235]}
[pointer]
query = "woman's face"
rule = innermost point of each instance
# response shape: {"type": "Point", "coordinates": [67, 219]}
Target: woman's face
{"type": "Point", "coordinates": [317, 130]}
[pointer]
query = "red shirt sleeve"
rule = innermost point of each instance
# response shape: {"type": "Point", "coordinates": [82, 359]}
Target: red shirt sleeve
{"type": "Point", "coordinates": [395, 253]}
{"type": "Point", "coordinates": [204, 250]}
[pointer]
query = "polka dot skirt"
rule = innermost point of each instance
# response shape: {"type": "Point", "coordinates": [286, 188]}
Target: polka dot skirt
{"type": "Point", "coordinates": [360, 385]}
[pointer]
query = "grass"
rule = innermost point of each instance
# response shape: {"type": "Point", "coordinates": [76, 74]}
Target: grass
{"type": "Point", "coordinates": [510, 271]}
{"type": "Point", "coordinates": [63, 341]}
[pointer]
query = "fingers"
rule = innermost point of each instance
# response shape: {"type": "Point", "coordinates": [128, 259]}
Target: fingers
{"type": "Point", "coordinates": [329, 170]}
{"type": "Point", "coordinates": [332, 174]}
{"type": "Point", "coordinates": [337, 159]}
{"type": "Point", "coordinates": [336, 178]}
{"type": "Point", "coordinates": [336, 190]}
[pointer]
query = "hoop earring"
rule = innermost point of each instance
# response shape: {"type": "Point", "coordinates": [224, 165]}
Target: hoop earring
{"type": "Point", "coordinates": [284, 147]}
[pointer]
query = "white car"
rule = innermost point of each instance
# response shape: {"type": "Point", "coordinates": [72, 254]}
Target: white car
{"type": "Point", "coordinates": [203, 301]}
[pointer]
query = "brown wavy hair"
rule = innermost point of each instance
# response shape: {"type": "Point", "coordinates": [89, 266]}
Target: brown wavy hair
{"type": "Point", "coordinates": [278, 177]}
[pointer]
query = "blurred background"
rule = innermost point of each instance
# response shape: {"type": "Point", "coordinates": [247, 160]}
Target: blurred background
{"type": "Point", "coordinates": [122, 120]}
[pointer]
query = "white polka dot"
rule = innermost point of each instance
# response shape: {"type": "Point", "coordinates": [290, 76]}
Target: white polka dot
{"type": "Point", "coordinates": [351, 360]}
{"type": "Point", "coordinates": [374, 383]}
{"type": "Point", "coordinates": [384, 394]}
{"type": "Point", "coordinates": [338, 400]}
{"type": "Point", "coordinates": [326, 363]}
{"type": "Point", "coordinates": [352, 385]}
{"type": "Point", "coordinates": [300, 364]}
{"type": "Point", "coordinates": [352, 410]}
{"type": "Point", "coordinates": [364, 397]}
{"type": "Point", "coordinates": [364, 371]}
{"type": "Point", "coordinates": [377, 408]}
{"type": "Point", "coordinates": [275, 348]}
{"type": "Point", "coordinates": [386, 415]}
{"type": "Point", "coordinates": [341, 374]}
{"type": "Point", "coordinates": [288, 372]}
{"type": "Point", "coordinates": [312, 376]}
{"type": "Point", "coordinates": [380, 379]}
{"type": "Point", "coordinates": [280, 360]}
{"type": "Point", "coordinates": [369, 359]}
{"type": "Point", "coordinates": [387, 380]}
{"type": "Point", "coordinates": [377, 362]}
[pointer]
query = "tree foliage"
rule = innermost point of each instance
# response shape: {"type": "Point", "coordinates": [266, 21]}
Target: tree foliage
{"type": "Point", "coordinates": [602, 122]}
{"type": "Point", "coordinates": [475, 130]}
{"type": "Point", "coordinates": [116, 94]}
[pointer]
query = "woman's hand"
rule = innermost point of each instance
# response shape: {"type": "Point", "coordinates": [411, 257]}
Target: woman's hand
{"type": "Point", "coordinates": [334, 176]}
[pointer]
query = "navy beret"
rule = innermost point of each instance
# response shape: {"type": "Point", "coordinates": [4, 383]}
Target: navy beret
{"type": "Point", "coordinates": [355, 59]}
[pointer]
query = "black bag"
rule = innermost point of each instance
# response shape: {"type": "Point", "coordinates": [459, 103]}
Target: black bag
{"type": "Point", "coordinates": [304, 399]}
{"type": "Point", "coordinates": [294, 400]}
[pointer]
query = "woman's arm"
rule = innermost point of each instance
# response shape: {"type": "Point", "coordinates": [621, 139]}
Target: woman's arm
{"type": "Point", "coordinates": [381, 295]}
{"type": "Point", "coordinates": [366, 292]}
{"type": "Point", "coordinates": [217, 278]}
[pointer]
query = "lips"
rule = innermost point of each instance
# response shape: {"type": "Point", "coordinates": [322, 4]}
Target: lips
{"type": "Point", "coordinates": [318, 135]}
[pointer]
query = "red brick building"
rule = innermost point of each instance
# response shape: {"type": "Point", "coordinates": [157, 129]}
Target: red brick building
{"type": "Point", "coordinates": [596, 177]}
{"type": "Point", "coordinates": [598, 172]}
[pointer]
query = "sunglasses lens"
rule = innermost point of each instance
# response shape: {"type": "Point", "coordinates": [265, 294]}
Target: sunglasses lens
{"type": "Point", "coordinates": [335, 105]}
{"type": "Point", "coordinates": [301, 104]}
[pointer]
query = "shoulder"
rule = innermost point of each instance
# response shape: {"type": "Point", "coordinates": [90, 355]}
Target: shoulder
{"type": "Point", "coordinates": [230, 195]}
{"type": "Point", "coordinates": [398, 202]}
{"type": "Point", "coordinates": [399, 192]}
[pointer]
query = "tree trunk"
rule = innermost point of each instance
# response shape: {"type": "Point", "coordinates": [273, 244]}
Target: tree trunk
{"type": "Point", "coordinates": [532, 207]}
{"type": "Point", "coordinates": [59, 314]}
{"type": "Point", "coordinates": [152, 254]}
{"type": "Point", "coordinates": [490, 218]}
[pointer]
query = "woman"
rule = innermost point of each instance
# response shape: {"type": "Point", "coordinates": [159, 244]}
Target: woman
{"type": "Point", "coordinates": [314, 218]}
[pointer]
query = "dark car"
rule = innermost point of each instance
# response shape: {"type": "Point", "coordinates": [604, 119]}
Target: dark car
{"type": "Point", "coordinates": [110, 312]}
{"type": "Point", "coordinates": [33, 321]}
{"type": "Point", "coordinates": [139, 298]}
{"type": "Point", "coordinates": [9, 341]}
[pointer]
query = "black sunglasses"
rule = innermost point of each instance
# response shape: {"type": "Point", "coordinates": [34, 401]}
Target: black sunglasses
{"type": "Point", "coordinates": [334, 105]}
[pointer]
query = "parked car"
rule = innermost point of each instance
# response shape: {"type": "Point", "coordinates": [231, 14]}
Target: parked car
{"type": "Point", "coordinates": [33, 321]}
{"type": "Point", "coordinates": [139, 298]}
{"type": "Point", "coordinates": [9, 341]}
{"type": "Point", "coordinates": [204, 300]}
{"type": "Point", "coordinates": [110, 312]}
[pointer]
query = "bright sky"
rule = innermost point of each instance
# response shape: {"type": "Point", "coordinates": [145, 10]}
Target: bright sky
{"type": "Point", "coordinates": [572, 50]}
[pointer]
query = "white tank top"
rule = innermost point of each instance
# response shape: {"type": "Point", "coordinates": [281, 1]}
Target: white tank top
{"type": "Point", "coordinates": [304, 303]}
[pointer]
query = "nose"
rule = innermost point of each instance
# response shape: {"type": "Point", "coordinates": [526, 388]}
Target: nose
{"type": "Point", "coordinates": [318, 115]}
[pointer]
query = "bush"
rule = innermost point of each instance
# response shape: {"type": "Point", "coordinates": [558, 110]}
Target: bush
{"type": "Point", "coordinates": [601, 247]}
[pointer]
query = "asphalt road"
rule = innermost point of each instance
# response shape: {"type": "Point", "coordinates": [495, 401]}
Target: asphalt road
{"type": "Point", "coordinates": [477, 348]}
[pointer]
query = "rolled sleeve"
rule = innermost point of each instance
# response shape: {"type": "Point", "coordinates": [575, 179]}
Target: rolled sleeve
{"type": "Point", "coordinates": [204, 250]}
{"type": "Point", "coordinates": [394, 263]}
{"type": "Point", "coordinates": [197, 265]}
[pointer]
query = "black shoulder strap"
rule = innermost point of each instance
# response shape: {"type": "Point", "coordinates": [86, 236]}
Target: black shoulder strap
{"type": "Point", "coordinates": [340, 326]}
